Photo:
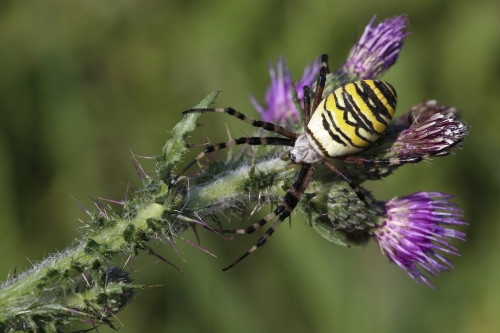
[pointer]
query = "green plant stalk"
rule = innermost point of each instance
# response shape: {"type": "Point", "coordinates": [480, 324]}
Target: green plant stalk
{"type": "Point", "coordinates": [76, 284]}
{"type": "Point", "coordinates": [80, 283]}
{"type": "Point", "coordinates": [230, 186]}
{"type": "Point", "coordinates": [13, 294]}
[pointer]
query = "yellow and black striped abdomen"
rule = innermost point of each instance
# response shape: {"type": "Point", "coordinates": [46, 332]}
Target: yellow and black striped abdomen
{"type": "Point", "coordinates": [352, 117]}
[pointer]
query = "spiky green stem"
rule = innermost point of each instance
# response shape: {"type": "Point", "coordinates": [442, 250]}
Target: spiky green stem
{"type": "Point", "coordinates": [80, 284]}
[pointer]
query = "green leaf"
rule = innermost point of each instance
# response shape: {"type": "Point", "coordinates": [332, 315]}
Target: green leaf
{"type": "Point", "coordinates": [175, 147]}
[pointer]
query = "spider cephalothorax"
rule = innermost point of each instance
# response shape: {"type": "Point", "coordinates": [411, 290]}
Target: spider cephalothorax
{"type": "Point", "coordinates": [345, 122]}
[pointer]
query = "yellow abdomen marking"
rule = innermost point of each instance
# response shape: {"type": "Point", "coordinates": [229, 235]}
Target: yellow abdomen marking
{"type": "Point", "coordinates": [352, 117]}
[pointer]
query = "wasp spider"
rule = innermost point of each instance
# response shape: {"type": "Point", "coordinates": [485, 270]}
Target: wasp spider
{"type": "Point", "coordinates": [345, 122]}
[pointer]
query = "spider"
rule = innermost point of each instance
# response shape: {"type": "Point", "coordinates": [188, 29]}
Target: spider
{"type": "Point", "coordinates": [345, 122]}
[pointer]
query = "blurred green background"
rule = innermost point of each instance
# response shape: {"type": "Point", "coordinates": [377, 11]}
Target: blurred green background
{"type": "Point", "coordinates": [84, 82]}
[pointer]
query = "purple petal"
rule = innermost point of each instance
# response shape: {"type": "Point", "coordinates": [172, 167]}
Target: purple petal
{"type": "Point", "coordinates": [412, 232]}
{"type": "Point", "coordinates": [377, 49]}
{"type": "Point", "coordinates": [279, 105]}
{"type": "Point", "coordinates": [434, 129]}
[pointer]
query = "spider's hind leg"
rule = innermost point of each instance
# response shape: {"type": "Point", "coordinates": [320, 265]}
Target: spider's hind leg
{"type": "Point", "coordinates": [347, 179]}
{"type": "Point", "coordinates": [398, 160]}
{"type": "Point", "coordinates": [393, 161]}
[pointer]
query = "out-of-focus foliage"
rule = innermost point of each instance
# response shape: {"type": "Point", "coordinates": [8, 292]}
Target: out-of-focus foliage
{"type": "Point", "coordinates": [82, 83]}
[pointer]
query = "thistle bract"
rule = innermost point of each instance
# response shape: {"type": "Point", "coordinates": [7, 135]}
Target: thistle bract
{"type": "Point", "coordinates": [433, 129]}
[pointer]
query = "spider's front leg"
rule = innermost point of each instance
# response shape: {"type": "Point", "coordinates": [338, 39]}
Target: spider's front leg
{"type": "Point", "coordinates": [290, 200]}
{"type": "Point", "coordinates": [254, 141]}
{"type": "Point", "coordinates": [318, 94]}
{"type": "Point", "coordinates": [320, 85]}
{"type": "Point", "coordinates": [257, 123]}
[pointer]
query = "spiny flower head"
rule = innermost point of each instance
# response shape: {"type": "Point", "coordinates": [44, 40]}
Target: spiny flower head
{"type": "Point", "coordinates": [279, 102]}
{"type": "Point", "coordinates": [417, 230]}
{"type": "Point", "coordinates": [432, 129]}
{"type": "Point", "coordinates": [377, 49]}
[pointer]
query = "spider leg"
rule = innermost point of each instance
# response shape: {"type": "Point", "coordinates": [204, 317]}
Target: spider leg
{"type": "Point", "coordinates": [290, 200]}
{"type": "Point", "coordinates": [393, 160]}
{"type": "Point", "coordinates": [307, 105]}
{"type": "Point", "coordinates": [346, 178]}
{"type": "Point", "coordinates": [320, 84]}
{"type": "Point", "coordinates": [398, 160]}
{"type": "Point", "coordinates": [324, 62]}
{"type": "Point", "coordinates": [257, 123]}
{"type": "Point", "coordinates": [255, 141]}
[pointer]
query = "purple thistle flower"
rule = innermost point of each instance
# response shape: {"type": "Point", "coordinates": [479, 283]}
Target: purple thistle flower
{"type": "Point", "coordinates": [377, 49]}
{"type": "Point", "coordinates": [279, 102]}
{"type": "Point", "coordinates": [433, 129]}
{"type": "Point", "coordinates": [415, 228]}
